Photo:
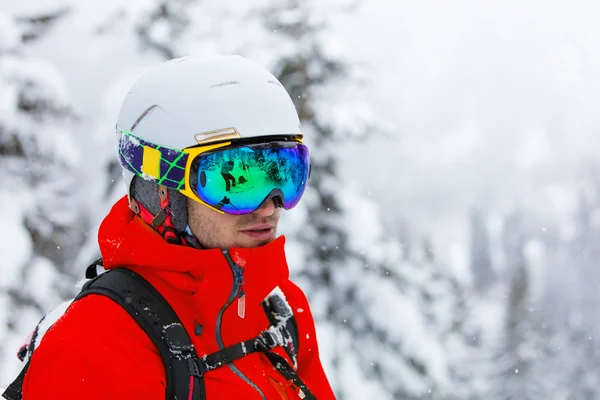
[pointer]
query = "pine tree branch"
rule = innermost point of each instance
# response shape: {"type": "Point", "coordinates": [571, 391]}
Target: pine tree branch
{"type": "Point", "coordinates": [21, 298]}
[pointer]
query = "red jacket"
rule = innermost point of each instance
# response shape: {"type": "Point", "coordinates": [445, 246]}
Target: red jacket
{"type": "Point", "coordinates": [97, 351]}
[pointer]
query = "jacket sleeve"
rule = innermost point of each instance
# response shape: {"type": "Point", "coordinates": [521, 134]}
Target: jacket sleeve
{"type": "Point", "coordinates": [95, 351]}
{"type": "Point", "coordinates": [310, 369]}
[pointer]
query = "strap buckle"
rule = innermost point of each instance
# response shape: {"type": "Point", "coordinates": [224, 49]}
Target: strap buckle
{"type": "Point", "coordinates": [269, 339]}
{"type": "Point", "coordinates": [195, 369]}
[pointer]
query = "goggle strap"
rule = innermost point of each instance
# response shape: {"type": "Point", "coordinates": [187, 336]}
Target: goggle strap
{"type": "Point", "coordinates": [147, 160]}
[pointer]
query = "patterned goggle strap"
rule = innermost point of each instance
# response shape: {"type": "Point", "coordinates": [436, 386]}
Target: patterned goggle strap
{"type": "Point", "coordinates": [152, 162]}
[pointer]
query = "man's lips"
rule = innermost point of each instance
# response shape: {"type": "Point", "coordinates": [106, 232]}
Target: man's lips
{"type": "Point", "coordinates": [260, 232]}
{"type": "Point", "coordinates": [259, 227]}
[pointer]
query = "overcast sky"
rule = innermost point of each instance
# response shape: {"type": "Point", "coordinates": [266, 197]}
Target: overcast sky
{"type": "Point", "coordinates": [495, 105]}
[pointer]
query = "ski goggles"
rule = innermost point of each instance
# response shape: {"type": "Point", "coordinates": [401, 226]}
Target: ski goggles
{"type": "Point", "coordinates": [233, 177]}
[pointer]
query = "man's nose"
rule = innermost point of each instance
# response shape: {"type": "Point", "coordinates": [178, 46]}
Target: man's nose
{"type": "Point", "coordinates": [267, 209]}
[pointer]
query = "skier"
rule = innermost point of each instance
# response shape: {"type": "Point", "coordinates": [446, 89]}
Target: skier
{"type": "Point", "coordinates": [226, 173]}
{"type": "Point", "coordinates": [212, 254]}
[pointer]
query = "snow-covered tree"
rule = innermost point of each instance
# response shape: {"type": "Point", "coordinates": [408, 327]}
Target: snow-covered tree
{"type": "Point", "coordinates": [385, 321]}
{"type": "Point", "coordinates": [43, 223]}
{"type": "Point", "coordinates": [572, 297]}
{"type": "Point", "coordinates": [481, 260]}
{"type": "Point", "coordinates": [523, 353]}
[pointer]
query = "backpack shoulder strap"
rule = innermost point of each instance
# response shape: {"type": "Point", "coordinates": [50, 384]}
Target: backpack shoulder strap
{"type": "Point", "coordinates": [277, 309]}
{"type": "Point", "coordinates": [156, 317]}
{"type": "Point", "coordinates": [14, 391]}
{"type": "Point", "coordinates": [288, 373]}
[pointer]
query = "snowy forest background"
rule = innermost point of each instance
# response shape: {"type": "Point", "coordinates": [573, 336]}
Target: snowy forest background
{"type": "Point", "coordinates": [450, 239]}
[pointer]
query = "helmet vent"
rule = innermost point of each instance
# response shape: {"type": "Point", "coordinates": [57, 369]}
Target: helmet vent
{"type": "Point", "coordinates": [142, 116]}
{"type": "Point", "coordinates": [275, 83]}
{"type": "Point", "coordinates": [225, 84]}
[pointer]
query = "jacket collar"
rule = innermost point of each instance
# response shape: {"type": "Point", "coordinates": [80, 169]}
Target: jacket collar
{"type": "Point", "coordinates": [125, 240]}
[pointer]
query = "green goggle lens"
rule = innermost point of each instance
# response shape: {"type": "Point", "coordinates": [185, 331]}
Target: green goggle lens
{"type": "Point", "coordinates": [238, 180]}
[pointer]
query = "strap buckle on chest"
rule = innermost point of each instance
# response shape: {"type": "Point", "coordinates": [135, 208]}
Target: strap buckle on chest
{"type": "Point", "coordinates": [269, 339]}
{"type": "Point", "coordinates": [265, 342]}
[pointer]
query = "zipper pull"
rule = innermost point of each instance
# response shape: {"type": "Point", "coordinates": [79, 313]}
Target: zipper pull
{"type": "Point", "coordinates": [239, 281]}
{"type": "Point", "coordinates": [242, 304]}
{"type": "Point", "coordinates": [238, 276]}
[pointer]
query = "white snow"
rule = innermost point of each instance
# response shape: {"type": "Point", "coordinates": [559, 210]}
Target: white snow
{"type": "Point", "coordinates": [16, 247]}
{"type": "Point", "coordinates": [9, 37]}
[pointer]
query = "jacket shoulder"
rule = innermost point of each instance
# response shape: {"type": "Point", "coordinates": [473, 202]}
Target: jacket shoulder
{"type": "Point", "coordinates": [294, 295]}
{"type": "Point", "coordinates": [298, 302]}
{"type": "Point", "coordinates": [96, 341]}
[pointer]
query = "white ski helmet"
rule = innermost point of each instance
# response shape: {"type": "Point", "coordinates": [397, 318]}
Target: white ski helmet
{"type": "Point", "coordinates": [184, 97]}
{"type": "Point", "coordinates": [192, 100]}
{"type": "Point", "coordinates": [187, 100]}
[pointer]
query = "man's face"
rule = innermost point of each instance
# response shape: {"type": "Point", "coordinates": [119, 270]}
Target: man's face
{"type": "Point", "coordinates": [223, 231]}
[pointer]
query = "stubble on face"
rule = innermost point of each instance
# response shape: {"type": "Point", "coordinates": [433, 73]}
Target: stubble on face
{"type": "Point", "coordinates": [224, 231]}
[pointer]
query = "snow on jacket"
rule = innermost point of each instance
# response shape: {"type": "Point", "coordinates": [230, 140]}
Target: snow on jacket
{"type": "Point", "coordinates": [97, 351]}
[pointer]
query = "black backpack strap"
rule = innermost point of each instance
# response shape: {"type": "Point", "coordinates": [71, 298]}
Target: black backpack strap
{"type": "Point", "coordinates": [288, 373]}
{"type": "Point", "coordinates": [265, 342]}
{"type": "Point", "coordinates": [14, 391]}
{"type": "Point", "coordinates": [277, 310]}
{"type": "Point", "coordinates": [156, 317]}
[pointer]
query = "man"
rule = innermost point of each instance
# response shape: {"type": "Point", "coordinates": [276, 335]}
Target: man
{"type": "Point", "coordinates": [211, 253]}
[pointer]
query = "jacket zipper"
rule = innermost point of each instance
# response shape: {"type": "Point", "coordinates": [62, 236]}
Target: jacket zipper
{"type": "Point", "coordinates": [236, 292]}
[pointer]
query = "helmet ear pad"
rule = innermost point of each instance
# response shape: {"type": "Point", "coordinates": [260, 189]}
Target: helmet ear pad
{"type": "Point", "coordinates": [146, 193]}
